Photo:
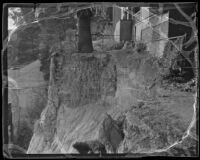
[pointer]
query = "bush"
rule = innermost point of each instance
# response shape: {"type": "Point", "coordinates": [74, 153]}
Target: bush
{"type": "Point", "coordinates": [117, 46]}
{"type": "Point", "coordinates": [141, 47]}
{"type": "Point", "coordinates": [68, 46]}
{"type": "Point", "coordinates": [175, 65]}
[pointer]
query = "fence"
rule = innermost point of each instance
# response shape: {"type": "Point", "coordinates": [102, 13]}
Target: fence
{"type": "Point", "coordinates": [157, 47]}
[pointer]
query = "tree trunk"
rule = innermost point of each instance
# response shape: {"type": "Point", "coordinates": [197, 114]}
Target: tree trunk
{"type": "Point", "coordinates": [84, 31]}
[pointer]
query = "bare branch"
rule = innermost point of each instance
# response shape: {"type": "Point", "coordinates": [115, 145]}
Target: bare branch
{"type": "Point", "coordinates": [191, 22]}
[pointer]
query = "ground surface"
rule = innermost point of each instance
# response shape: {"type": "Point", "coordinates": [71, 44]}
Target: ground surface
{"type": "Point", "coordinates": [171, 107]}
{"type": "Point", "coordinates": [81, 124]}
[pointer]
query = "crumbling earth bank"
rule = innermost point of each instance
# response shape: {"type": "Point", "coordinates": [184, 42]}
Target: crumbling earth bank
{"type": "Point", "coordinates": [81, 80]}
{"type": "Point", "coordinates": [90, 86]}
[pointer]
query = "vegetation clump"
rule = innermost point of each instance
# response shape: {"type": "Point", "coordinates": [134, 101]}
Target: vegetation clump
{"type": "Point", "coordinates": [141, 47]}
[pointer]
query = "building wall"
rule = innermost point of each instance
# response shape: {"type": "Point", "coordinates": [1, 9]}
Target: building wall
{"type": "Point", "coordinates": [151, 30]}
{"type": "Point", "coordinates": [116, 23]}
{"type": "Point", "coordinates": [118, 14]}
{"type": "Point", "coordinates": [142, 22]}
{"type": "Point", "coordinates": [160, 33]}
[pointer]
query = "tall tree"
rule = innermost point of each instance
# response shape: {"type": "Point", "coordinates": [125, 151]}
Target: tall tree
{"type": "Point", "coordinates": [84, 31]}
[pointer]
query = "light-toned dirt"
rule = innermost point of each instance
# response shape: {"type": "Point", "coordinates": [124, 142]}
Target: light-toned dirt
{"type": "Point", "coordinates": [82, 123]}
{"type": "Point", "coordinates": [26, 90]}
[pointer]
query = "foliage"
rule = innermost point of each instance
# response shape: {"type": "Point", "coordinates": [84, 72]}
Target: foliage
{"type": "Point", "coordinates": [15, 14]}
{"type": "Point", "coordinates": [141, 47]}
{"type": "Point", "coordinates": [24, 49]}
{"type": "Point", "coordinates": [35, 40]}
{"type": "Point", "coordinates": [117, 46]}
{"type": "Point", "coordinates": [68, 45]}
{"type": "Point", "coordinates": [173, 65]}
{"type": "Point", "coordinates": [53, 33]}
{"type": "Point", "coordinates": [21, 15]}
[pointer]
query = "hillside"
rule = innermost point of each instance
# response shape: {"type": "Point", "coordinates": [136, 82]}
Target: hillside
{"type": "Point", "coordinates": [154, 118]}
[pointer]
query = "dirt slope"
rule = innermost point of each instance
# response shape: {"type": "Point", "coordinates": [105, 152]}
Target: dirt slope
{"type": "Point", "coordinates": [134, 78]}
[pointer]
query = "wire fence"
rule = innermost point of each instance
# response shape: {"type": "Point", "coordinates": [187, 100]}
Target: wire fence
{"type": "Point", "coordinates": [102, 37]}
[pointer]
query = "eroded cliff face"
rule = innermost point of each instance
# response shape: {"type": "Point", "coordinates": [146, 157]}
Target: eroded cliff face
{"type": "Point", "coordinates": [77, 83]}
{"type": "Point", "coordinates": [86, 89]}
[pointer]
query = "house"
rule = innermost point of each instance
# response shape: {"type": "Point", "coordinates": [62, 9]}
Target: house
{"type": "Point", "coordinates": [152, 29]}
{"type": "Point", "coordinates": [152, 25]}
{"type": "Point", "coordinates": [142, 25]}
{"type": "Point", "coordinates": [123, 23]}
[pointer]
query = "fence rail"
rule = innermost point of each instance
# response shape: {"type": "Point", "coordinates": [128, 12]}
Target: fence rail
{"type": "Point", "coordinates": [176, 37]}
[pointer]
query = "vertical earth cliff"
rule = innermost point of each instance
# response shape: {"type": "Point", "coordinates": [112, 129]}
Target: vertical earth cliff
{"type": "Point", "coordinates": [112, 100]}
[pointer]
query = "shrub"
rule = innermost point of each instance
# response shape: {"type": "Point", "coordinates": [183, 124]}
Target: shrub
{"type": "Point", "coordinates": [68, 46]}
{"type": "Point", "coordinates": [117, 46]}
{"type": "Point", "coordinates": [141, 47]}
{"type": "Point", "coordinates": [174, 64]}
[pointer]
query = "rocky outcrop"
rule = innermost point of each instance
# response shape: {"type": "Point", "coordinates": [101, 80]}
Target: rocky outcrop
{"type": "Point", "coordinates": [75, 81]}
{"type": "Point", "coordinates": [110, 134]}
{"type": "Point", "coordinates": [128, 122]}
{"type": "Point", "coordinates": [148, 129]}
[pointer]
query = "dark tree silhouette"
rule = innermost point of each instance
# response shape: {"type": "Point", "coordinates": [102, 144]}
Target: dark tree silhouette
{"type": "Point", "coordinates": [84, 31]}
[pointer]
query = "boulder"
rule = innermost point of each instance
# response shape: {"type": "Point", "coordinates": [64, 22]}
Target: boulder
{"type": "Point", "coordinates": [82, 147]}
{"type": "Point", "coordinates": [110, 134]}
{"type": "Point", "coordinates": [93, 146]}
